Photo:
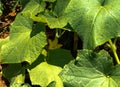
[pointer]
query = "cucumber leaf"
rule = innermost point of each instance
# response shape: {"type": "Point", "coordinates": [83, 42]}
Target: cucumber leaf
{"type": "Point", "coordinates": [20, 85]}
{"type": "Point", "coordinates": [91, 70]}
{"type": "Point", "coordinates": [24, 2]}
{"type": "Point", "coordinates": [52, 84]}
{"type": "Point", "coordinates": [26, 41]}
{"type": "Point", "coordinates": [34, 7]}
{"type": "Point", "coordinates": [44, 73]}
{"type": "Point", "coordinates": [51, 20]}
{"type": "Point", "coordinates": [59, 7]}
{"type": "Point", "coordinates": [59, 57]}
{"type": "Point", "coordinates": [49, 0]}
{"type": "Point", "coordinates": [96, 21]}
{"type": "Point", "coordinates": [4, 41]}
{"type": "Point", "coordinates": [54, 18]}
{"type": "Point", "coordinates": [17, 74]}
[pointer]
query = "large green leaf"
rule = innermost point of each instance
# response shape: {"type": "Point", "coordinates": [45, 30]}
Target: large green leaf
{"type": "Point", "coordinates": [4, 41]}
{"type": "Point", "coordinates": [26, 41]}
{"type": "Point", "coordinates": [91, 70]}
{"type": "Point", "coordinates": [44, 73]}
{"type": "Point", "coordinates": [96, 21]}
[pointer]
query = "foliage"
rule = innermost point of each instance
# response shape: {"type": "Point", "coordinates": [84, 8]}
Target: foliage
{"type": "Point", "coordinates": [22, 33]}
{"type": "Point", "coordinates": [20, 85]}
{"type": "Point", "coordinates": [91, 70]}
{"type": "Point", "coordinates": [47, 74]}
{"type": "Point", "coordinates": [96, 21]}
{"type": "Point", "coordinates": [1, 8]}
{"type": "Point", "coordinates": [29, 49]}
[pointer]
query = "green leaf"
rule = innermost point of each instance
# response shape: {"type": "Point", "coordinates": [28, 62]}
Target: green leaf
{"type": "Point", "coordinates": [20, 85]}
{"type": "Point", "coordinates": [39, 60]}
{"type": "Point", "coordinates": [55, 22]}
{"type": "Point", "coordinates": [1, 8]}
{"type": "Point", "coordinates": [24, 2]}
{"type": "Point", "coordinates": [34, 7]}
{"type": "Point", "coordinates": [51, 20]}
{"type": "Point", "coordinates": [100, 61]}
{"type": "Point", "coordinates": [59, 7]}
{"type": "Point", "coordinates": [59, 57]}
{"type": "Point", "coordinates": [54, 18]}
{"type": "Point", "coordinates": [91, 70]}
{"type": "Point", "coordinates": [96, 21]}
{"type": "Point", "coordinates": [15, 73]}
{"type": "Point", "coordinates": [26, 41]}
{"type": "Point", "coordinates": [52, 84]}
{"type": "Point", "coordinates": [44, 73]}
{"type": "Point", "coordinates": [116, 74]}
{"type": "Point", "coordinates": [4, 41]}
{"type": "Point", "coordinates": [49, 0]}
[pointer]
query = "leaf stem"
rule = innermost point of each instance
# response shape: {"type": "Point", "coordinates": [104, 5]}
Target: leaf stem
{"type": "Point", "coordinates": [113, 48]}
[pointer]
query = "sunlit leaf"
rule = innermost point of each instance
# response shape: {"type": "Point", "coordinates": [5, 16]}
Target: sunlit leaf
{"type": "Point", "coordinates": [44, 73]}
{"type": "Point", "coordinates": [34, 7]}
{"type": "Point", "coordinates": [51, 20]}
{"type": "Point", "coordinates": [26, 41]}
{"type": "Point", "coordinates": [96, 21]}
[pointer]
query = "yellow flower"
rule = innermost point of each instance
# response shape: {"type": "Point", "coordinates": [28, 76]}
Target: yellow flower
{"type": "Point", "coordinates": [53, 44]}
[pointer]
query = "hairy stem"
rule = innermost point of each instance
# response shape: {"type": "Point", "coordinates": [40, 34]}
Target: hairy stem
{"type": "Point", "coordinates": [113, 48]}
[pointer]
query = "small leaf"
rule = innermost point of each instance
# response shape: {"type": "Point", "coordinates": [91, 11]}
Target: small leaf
{"type": "Point", "coordinates": [44, 73]}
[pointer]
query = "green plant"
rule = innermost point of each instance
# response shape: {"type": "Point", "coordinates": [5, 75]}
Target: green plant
{"type": "Point", "coordinates": [48, 65]}
{"type": "Point", "coordinates": [1, 8]}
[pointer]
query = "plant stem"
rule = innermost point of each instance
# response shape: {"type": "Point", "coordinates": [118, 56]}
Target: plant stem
{"type": "Point", "coordinates": [75, 41]}
{"type": "Point", "coordinates": [113, 48]}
